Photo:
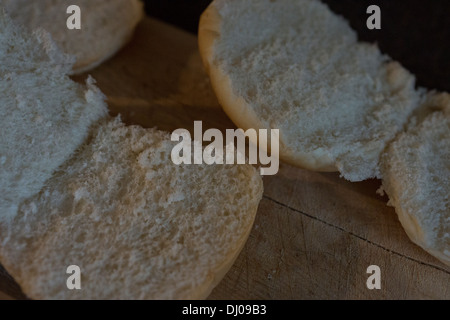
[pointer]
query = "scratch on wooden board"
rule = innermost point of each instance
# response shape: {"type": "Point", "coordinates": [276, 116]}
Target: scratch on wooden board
{"type": "Point", "coordinates": [357, 236]}
{"type": "Point", "coordinates": [305, 249]}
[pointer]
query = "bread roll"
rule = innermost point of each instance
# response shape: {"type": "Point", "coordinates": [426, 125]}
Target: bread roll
{"type": "Point", "coordinates": [106, 25]}
{"type": "Point", "coordinates": [83, 189]}
{"type": "Point", "coordinates": [296, 66]}
{"type": "Point", "coordinates": [416, 177]}
{"type": "Point", "coordinates": [138, 226]}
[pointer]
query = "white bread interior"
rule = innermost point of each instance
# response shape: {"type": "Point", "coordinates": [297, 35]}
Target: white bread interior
{"type": "Point", "coordinates": [86, 190]}
{"type": "Point", "coordinates": [416, 176]}
{"type": "Point", "coordinates": [45, 115]}
{"type": "Point", "coordinates": [294, 65]}
{"type": "Point", "coordinates": [138, 226]}
{"type": "Point", "coordinates": [106, 26]}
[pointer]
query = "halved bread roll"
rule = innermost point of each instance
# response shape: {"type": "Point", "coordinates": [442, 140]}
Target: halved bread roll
{"type": "Point", "coordinates": [296, 66]}
{"type": "Point", "coordinates": [87, 190]}
{"type": "Point", "coordinates": [416, 177]}
{"type": "Point", "coordinates": [138, 226]}
{"type": "Point", "coordinates": [106, 25]}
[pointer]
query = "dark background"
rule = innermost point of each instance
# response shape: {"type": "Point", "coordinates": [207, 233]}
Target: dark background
{"type": "Point", "coordinates": [414, 32]}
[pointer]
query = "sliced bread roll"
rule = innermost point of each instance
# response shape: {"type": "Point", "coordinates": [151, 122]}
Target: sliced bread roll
{"type": "Point", "coordinates": [138, 226]}
{"type": "Point", "coordinates": [416, 177]}
{"type": "Point", "coordinates": [106, 25]}
{"type": "Point", "coordinates": [85, 190]}
{"type": "Point", "coordinates": [296, 66]}
{"type": "Point", "coordinates": [45, 115]}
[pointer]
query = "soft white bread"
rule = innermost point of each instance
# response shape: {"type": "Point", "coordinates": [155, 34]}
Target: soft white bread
{"type": "Point", "coordinates": [296, 66]}
{"type": "Point", "coordinates": [82, 189]}
{"type": "Point", "coordinates": [107, 25]}
{"type": "Point", "coordinates": [416, 177]}
{"type": "Point", "coordinates": [45, 115]}
{"type": "Point", "coordinates": [138, 226]}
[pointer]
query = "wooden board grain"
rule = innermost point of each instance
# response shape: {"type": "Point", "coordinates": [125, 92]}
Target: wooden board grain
{"type": "Point", "coordinates": [315, 234]}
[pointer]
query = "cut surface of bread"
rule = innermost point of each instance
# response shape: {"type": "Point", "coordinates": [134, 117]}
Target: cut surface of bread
{"type": "Point", "coordinates": [45, 115]}
{"type": "Point", "coordinates": [296, 66]}
{"type": "Point", "coordinates": [106, 25]}
{"type": "Point", "coordinates": [416, 177]}
{"type": "Point", "coordinates": [85, 190]}
{"type": "Point", "coordinates": [138, 226]}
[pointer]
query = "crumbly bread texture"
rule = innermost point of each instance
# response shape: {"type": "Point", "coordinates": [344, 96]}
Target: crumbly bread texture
{"type": "Point", "coordinates": [45, 115]}
{"type": "Point", "coordinates": [82, 189]}
{"type": "Point", "coordinates": [296, 66]}
{"type": "Point", "coordinates": [106, 25]}
{"type": "Point", "coordinates": [138, 226]}
{"type": "Point", "coordinates": [416, 177]}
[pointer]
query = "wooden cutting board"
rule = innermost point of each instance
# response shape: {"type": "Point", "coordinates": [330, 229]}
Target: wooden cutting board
{"type": "Point", "coordinates": [315, 234]}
